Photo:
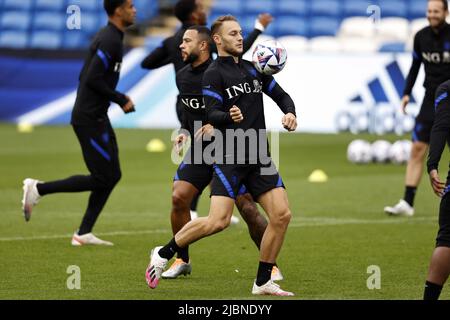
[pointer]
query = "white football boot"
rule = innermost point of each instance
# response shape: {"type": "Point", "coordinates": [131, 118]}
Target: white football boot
{"type": "Point", "coordinates": [276, 274]}
{"type": "Point", "coordinates": [155, 268]}
{"type": "Point", "coordinates": [30, 198]}
{"type": "Point", "coordinates": [88, 239]}
{"type": "Point", "coordinates": [178, 268]}
{"type": "Point", "coordinates": [402, 208]}
{"type": "Point", "coordinates": [270, 288]}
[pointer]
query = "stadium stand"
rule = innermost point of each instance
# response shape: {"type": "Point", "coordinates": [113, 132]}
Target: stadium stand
{"type": "Point", "coordinates": [342, 19]}
{"type": "Point", "coordinates": [42, 23]}
{"type": "Point", "coordinates": [24, 23]}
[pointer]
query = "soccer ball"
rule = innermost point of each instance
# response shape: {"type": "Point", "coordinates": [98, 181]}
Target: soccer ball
{"type": "Point", "coordinates": [359, 151]}
{"type": "Point", "coordinates": [380, 151]}
{"type": "Point", "coordinates": [400, 151]}
{"type": "Point", "coordinates": [269, 57]}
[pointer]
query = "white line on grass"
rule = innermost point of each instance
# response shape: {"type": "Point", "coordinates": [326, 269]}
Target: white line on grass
{"type": "Point", "coordinates": [65, 236]}
{"type": "Point", "coordinates": [297, 223]}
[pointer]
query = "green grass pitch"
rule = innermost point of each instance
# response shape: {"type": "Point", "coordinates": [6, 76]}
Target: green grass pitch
{"type": "Point", "coordinates": [338, 228]}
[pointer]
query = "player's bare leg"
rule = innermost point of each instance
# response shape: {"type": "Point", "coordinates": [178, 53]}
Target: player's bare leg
{"type": "Point", "coordinates": [414, 171]}
{"type": "Point", "coordinates": [218, 219]}
{"type": "Point", "coordinates": [438, 273]}
{"type": "Point", "coordinates": [183, 194]}
{"type": "Point", "coordinates": [275, 204]}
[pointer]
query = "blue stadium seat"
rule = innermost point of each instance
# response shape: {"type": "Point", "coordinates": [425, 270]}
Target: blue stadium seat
{"type": "Point", "coordinates": [248, 24]}
{"type": "Point", "coordinates": [391, 8]}
{"type": "Point", "coordinates": [24, 5]}
{"type": "Point", "coordinates": [146, 9]}
{"type": "Point", "coordinates": [15, 20]}
{"type": "Point", "coordinates": [49, 21]}
{"type": "Point", "coordinates": [86, 5]}
{"type": "Point", "coordinates": [291, 25]}
{"type": "Point", "coordinates": [221, 7]}
{"type": "Point", "coordinates": [324, 26]}
{"type": "Point", "coordinates": [13, 39]}
{"type": "Point", "coordinates": [392, 47]}
{"type": "Point", "coordinates": [259, 6]}
{"type": "Point", "coordinates": [45, 40]}
{"type": "Point", "coordinates": [293, 7]}
{"type": "Point", "coordinates": [355, 7]}
{"type": "Point", "coordinates": [90, 22]}
{"type": "Point", "coordinates": [50, 5]}
{"type": "Point", "coordinates": [417, 9]}
{"type": "Point", "coordinates": [75, 39]}
{"type": "Point", "coordinates": [332, 8]}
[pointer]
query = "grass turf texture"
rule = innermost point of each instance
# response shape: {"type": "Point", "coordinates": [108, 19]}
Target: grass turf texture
{"type": "Point", "coordinates": [338, 228]}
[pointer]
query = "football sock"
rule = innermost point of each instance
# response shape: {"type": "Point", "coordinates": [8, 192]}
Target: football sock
{"type": "Point", "coordinates": [264, 273]}
{"type": "Point", "coordinates": [410, 193]}
{"type": "Point", "coordinates": [169, 250]}
{"type": "Point", "coordinates": [432, 291]}
{"type": "Point", "coordinates": [183, 254]}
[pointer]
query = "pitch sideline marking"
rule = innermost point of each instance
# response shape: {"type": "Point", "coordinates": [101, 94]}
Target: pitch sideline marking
{"type": "Point", "coordinates": [297, 223]}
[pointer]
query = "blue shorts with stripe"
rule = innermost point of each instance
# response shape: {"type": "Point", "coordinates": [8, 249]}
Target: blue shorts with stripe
{"type": "Point", "coordinates": [424, 120]}
{"type": "Point", "coordinates": [199, 175]}
{"type": "Point", "coordinates": [231, 180]}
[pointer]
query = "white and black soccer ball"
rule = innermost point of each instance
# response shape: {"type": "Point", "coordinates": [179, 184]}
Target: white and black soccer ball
{"type": "Point", "coordinates": [359, 151]}
{"type": "Point", "coordinates": [380, 151]}
{"type": "Point", "coordinates": [269, 57]}
{"type": "Point", "coordinates": [400, 151]}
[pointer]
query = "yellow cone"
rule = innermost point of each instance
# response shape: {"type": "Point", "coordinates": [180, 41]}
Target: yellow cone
{"type": "Point", "coordinates": [318, 176]}
{"type": "Point", "coordinates": [156, 145]}
{"type": "Point", "coordinates": [25, 127]}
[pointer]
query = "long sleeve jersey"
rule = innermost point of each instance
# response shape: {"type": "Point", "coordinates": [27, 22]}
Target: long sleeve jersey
{"type": "Point", "coordinates": [227, 83]}
{"type": "Point", "coordinates": [441, 127]}
{"type": "Point", "coordinates": [433, 50]}
{"type": "Point", "coordinates": [99, 77]}
{"type": "Point", "coordinates": [189, 84]}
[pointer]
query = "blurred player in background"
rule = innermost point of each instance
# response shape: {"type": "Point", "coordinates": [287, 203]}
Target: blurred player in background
{"type": "Point", "coordinates": [432, 48]}
{"type": "Point", "coordinates": [189, 13]}
{"type": "Point", "coordinates": [440, 261]}
{"type": "Point", "coordinates": [97, 88]}
{"type": "Point", "coordinates": [192, 177]}
{"type": "Point", "coordinates": [227, 71]}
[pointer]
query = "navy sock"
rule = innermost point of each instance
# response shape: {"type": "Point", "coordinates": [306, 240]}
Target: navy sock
{"type": "Point", "coordinates": [183, 254]}
{"type": "Point", "coordinates": [410, 193]}
{"type": "Point", "coordinates": [169, 250]}
{"type": "Point", "coordinates": [432, 291]}
{"type": "Point", "coordinates": [264, 273]}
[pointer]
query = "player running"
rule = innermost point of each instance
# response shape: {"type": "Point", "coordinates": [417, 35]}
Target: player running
{"type": "Point", "coordinates": [97, 87]}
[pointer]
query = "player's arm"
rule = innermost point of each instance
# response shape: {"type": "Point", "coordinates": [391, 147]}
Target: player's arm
{"type": "Point", "coordinates": [106, 54]}
{"type": "Point", "coordinates": [261, 24]}
{"type": "Point", "coordinates": [413, 72]}
{"type": "Point", "coordinates": [439, 135]}
{"type": "Point", "coordinates": [283, 100]}
{"type": "Point", "coordinates": [184, 124]}
{"type": "Point", "coordinates": [157, 58]}
{"type": "Point", "coordinates": [212, 96]}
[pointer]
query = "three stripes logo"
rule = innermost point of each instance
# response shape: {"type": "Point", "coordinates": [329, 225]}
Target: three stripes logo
{"type": "Point", "coordinates": [376, 109]}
